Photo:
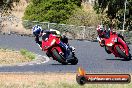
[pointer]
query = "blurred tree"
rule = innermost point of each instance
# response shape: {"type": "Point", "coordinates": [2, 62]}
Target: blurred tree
{"type": "Point", "coordinates": [83, 18]}
{"type": "Point", "coordinates": [6, 6]}
{"type": "Point", "coordinates": [114, 10]}
{"type": "Point", "coordinates": [51, 10]}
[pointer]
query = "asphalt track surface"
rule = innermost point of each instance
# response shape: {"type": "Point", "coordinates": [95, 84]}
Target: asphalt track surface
{"type": "Point", "coordinates": [92, 57]}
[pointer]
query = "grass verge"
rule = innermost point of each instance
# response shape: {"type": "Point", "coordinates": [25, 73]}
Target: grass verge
{"type": "Point", "coordinates": [10, 57]}
{"type": "Point", "coordinates": [48, 80]}
{"type": "Point", "coordinates": [27, 54]}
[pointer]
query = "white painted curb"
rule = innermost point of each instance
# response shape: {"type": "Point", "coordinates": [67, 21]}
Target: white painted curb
{"type": "Point", "coordinates": [30, 63]}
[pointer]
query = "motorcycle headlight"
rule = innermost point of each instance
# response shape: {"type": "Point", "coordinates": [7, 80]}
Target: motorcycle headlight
{"type": "Point", "coordinates": [53, 41]}
{"type": "Point", "coordinates": [110, 44]}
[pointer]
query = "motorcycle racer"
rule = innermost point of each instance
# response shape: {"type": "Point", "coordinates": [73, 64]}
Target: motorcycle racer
{"type": "Point", "coordinates": [38, 32]}
{"type": "Point", "coordinates": [104, 32]}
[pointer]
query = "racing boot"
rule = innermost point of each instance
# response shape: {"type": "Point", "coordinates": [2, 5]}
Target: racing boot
{"type": "Point", "coordinates": [72, 48]}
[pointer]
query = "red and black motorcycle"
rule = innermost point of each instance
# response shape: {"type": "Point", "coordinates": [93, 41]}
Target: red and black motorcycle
{"type": "Point", "coordinates": [116, 45]}
{"type": "Point", "coordinates": [51, 46]}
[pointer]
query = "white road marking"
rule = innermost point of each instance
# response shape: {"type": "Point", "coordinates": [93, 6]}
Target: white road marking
{"type": "Point", "coordinates": [20, 65]}
{"type": "Point", "coordinates": [38, 63]}
{"type": "Point", "coordinates": [30, 64]}
{"type": "Point", "coordinates": [46, 60]}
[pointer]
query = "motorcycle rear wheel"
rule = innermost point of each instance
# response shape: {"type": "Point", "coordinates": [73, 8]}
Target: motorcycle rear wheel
{"type": "Point", "coordinates": [60, 59]}
{"type": "Point", "coordinates": [74, 61]}
{"type": "Point", "coordinates": [127, 58]}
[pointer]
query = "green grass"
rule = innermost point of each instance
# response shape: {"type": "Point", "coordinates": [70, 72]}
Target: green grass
{"type": "Point", "coordinates": [49, 80]}
{"type": "Point", "coordinates": [7, 49]}
{"type": "Point", "coordinates": [27, 54]}
{"type": "Point", "coordinates": [64, 85]}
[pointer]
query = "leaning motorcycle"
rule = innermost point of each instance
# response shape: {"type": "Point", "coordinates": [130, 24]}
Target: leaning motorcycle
{"type": "Point", "coordinates": [51, 46]}
{"type": "Point", "coordinates": [116, 45]}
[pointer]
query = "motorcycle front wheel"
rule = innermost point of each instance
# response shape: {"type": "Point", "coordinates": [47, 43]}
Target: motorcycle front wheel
{"type": "Point", "coordinates": [107, 50]}
{"type": "Point", "coordinates": [59, 58]}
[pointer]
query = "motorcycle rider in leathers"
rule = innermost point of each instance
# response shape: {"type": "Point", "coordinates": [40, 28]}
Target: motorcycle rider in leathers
{"type": "Point", "coordinates": [105, 33]}
{"type": "Point", "coordinates": [38, 32]}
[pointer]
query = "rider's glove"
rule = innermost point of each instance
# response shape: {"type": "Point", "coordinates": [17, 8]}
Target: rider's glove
{"type": "Point", "coordinates": [102, 43]}
{"type": "Point", "coordinates": [98, 39]}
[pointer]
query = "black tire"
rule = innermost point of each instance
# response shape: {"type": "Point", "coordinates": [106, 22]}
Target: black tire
{"type": "Point", "coordinates": [60, 59]}
{"type": "Point", "coordinates": [106, 49]}
{"type": "Point", "coordinates": [127, 58]}
{"type": "Point", "coordinates": [74, 61]}
{"type": "Point", "coordinates": [81, 80]}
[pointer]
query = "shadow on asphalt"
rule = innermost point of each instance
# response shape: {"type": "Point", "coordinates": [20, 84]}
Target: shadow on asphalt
{"type": "Point", "coordinates": [60, 64]}
{"type": "Point", "coordinates": [118, 59]}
